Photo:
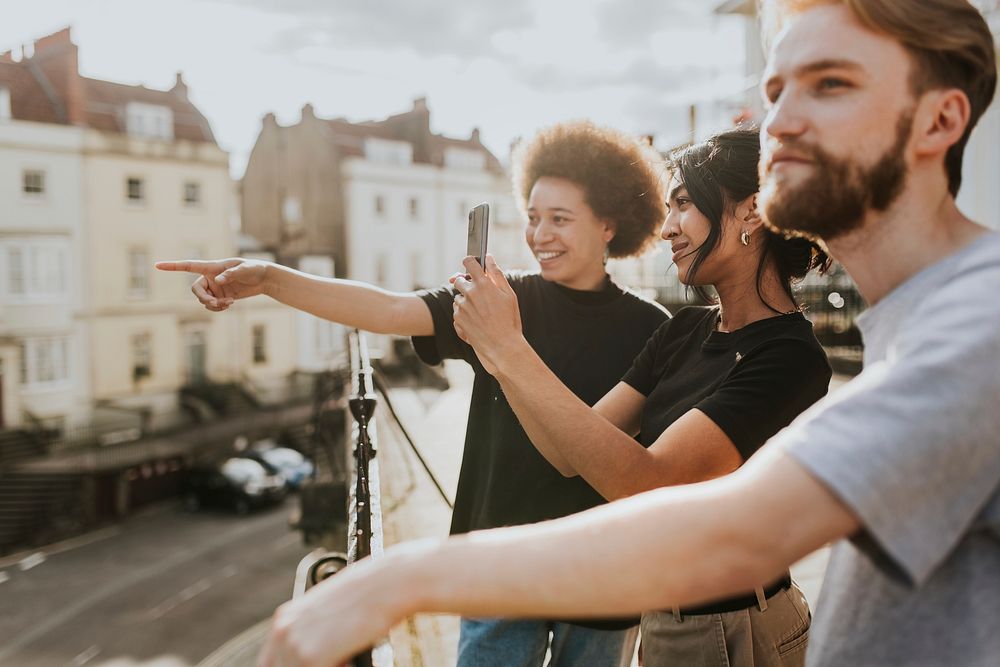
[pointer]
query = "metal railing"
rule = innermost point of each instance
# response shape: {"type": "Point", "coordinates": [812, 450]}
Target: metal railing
{"type": "Point", "coordinates": [364, 506]}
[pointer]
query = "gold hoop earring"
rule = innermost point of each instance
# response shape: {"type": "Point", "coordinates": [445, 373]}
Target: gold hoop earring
{"type": "Point", "coordinates": [745, 237]}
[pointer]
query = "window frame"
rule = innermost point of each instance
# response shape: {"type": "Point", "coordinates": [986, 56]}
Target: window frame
{"type": "Point", "coordinates": [142, 198]}
{"type": "Point", "coordinates": [60, 361]}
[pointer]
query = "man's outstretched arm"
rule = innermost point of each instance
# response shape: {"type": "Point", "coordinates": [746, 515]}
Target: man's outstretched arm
{"type": "Point", "coordinates": [675, 546]}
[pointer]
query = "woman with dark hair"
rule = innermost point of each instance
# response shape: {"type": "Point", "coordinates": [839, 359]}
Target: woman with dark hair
{"type": "Point", "coordinates": [709, 388]}
{"type": "Point", "coordinates": [588, 193]}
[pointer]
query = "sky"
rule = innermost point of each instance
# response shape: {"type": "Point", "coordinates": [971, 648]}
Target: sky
{"type": "Point", "coordinates": [507, 67]}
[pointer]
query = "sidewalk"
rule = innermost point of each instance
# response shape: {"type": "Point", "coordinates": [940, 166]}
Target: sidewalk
{"type": "Point", "coordinates": [411, 505]}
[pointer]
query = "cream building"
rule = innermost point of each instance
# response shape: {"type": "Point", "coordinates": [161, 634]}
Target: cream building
{"type": "Point", "coordinates": [131, 175]}
{"type": "Point", "coordinates": [385, 202]}
{"type": "Point", "coordinates": [407, 224]}
{"type": "Point", "coordinates": [43, 370]}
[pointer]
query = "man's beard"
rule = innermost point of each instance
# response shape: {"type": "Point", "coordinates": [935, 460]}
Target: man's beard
{"type": "Point", "coordinates": [834, 199]}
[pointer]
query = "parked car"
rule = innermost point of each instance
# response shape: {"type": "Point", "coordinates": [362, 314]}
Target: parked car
{"type": "Point", "coordinates": [295, 467]}
{"type": "Point", "coordinates": [239, 483]}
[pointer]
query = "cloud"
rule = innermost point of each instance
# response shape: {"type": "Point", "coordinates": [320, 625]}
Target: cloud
{"type": "Point", "coordinates": [630, 23]}
{"type": "Point", "coordinates": [426, 28]}
{"type": "Point", "coordinates": [643, 73]}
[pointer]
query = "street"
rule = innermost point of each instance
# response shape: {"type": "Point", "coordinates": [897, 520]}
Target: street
{"type": "Point", "coordinates": [164, 588]}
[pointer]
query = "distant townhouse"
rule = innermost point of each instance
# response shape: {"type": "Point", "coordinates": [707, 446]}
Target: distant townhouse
{"type": "Point", "coordinates": [44, 375]}
{"type": "Point", "coordinates": [386, 200]}
{"type": "Point", "coordinates": [138, 176]}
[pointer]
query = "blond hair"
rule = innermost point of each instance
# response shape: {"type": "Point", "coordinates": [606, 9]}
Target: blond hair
{"type": "Point", "coordinates": [948, 40]}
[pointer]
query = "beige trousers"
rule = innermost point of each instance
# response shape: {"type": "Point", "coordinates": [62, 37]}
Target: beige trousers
{"type": "Point", "coordinates": [775, 637]}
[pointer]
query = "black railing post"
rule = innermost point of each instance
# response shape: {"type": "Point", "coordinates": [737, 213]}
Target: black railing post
{"type": "Point", "coordinates": [364, 508]}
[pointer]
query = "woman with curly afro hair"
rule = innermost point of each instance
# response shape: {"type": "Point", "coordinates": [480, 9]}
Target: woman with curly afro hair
{"type": "Point", "coordinates": [588, 193]}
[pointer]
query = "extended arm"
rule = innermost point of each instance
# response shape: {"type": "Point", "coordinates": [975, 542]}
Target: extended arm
{"type": "Point", "coordinates": [580, 440]}
{"type": "Point", "coordinates": [594, 443]}
{"type": "Point", "coordinates": [349, 302]}
{"type": "Point", "coordinates": [679, 546]}
{"type": "Point", "coordinates": [355, 304]}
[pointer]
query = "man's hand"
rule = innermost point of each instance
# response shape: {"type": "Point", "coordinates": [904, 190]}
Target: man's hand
{"type": "Point", "coordinates": [349, 612]}
{"type": "Point", "coordinates": [486, 313]}
{"type": "Point", "coordinates": [221, 282]}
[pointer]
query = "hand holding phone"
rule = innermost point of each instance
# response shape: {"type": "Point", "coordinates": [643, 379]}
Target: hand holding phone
{"type": "Point", "coordinates": [479, 227]}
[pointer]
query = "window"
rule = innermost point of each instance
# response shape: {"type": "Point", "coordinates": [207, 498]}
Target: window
{"type": "Point", "coordinates": [381, 269]}
{"type": "Point", "coordinates": [259, 344]}
{"type": "Point", "coordinates": [323, 337]}
{"type": "Point", "coordinates": [4, 103]}
{"type": "Point", "coordinates": [379, 205]}
{"type": "Point", "coordinates": [138, 273]}
{"type": "Point", "coordinates": [37, 269]}
{"type": "Point", "coordinates": [464, 158]}
{"type": "Point", "coordinates": [135, 190]}
{"type": "Point", "coordinates": [149, 121]}
{"type": "Point", "coordinates": [416, 270]}
{"type": "Point", "coordinates": [142, 356]}
{"type": "Point", "coordinates": [44, 361]}
{"type": "Point", "coordinates": [386, 151]}
{"type": "Point", "coordinates": [192, 193]}
{"type": "Point", "coordinates": [15, 271]}
{"type": "Point", "coordinates": [414, 208]}
{"type": "Point", "coordinates": [291, 211]}
{"type": "Point", "coordinates": [33, 182]}
{"type": "Point", "coordinates": [196, 356]}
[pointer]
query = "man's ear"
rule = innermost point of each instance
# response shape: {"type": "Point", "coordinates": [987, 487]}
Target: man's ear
{"type": "Point", "coordinates": [939, 121]}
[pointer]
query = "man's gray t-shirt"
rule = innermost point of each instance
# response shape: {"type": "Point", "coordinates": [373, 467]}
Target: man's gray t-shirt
{"type": "Point", "coordinates": [912, 446]}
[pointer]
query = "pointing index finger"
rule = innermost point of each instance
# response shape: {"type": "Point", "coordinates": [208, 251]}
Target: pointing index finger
{"type": "Point", "coordinates": [188, 265]}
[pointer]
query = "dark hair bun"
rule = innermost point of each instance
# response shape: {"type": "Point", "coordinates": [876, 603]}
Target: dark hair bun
{"type": "Point", "coordinates": [796, 256]}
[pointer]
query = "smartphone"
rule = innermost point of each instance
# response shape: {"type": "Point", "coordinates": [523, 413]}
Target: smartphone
{"type": "Point", "coordinates": [479, 229]}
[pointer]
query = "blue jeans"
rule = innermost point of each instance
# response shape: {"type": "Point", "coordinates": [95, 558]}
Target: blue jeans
{"type": "Point", "coordinates": [502, 643]}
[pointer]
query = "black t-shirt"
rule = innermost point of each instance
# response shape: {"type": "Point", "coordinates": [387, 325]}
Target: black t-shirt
{"type": "Point", "coordinates": [589, 340]}
{"type": "Point", "coordinates": [752, 382]}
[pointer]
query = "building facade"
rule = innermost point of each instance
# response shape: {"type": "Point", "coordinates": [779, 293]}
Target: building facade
{"type": "Point", "coordinates": [98, 181]}
{"type": "Point", "coordinates": [387, 201]}
{"type": "Point", "coordinates": [43, 370]}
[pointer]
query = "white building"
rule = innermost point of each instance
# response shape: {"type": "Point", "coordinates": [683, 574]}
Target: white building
{"type": "Point", "coordinates": [43, 370]}
{"type": "Point", "coordinates": [98, 181]}
{"type": "Point", "coordinates": [385, 202]}
{"type": "Point", "coordinates": [407, 224]}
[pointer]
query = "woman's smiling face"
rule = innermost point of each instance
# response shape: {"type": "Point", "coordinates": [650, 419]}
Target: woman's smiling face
{"type": "Point", "coordinates": [564, 235]}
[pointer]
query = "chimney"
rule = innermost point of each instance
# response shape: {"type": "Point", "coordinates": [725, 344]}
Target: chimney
{"type": "Point", "coordinates": [475, 135]}
{"type": "Point", "coordinates": [308, 113]}
{"type": "Point", "coordinates": [269, 120]}
{"type": "Point", "coordinates": [180, 88]}
{"type": "Point", "coordinates": [7, 57]}
{"type": "Point", "coordinates": [420, 104]}
{"type": "Point", "coordinates": [515, 142]}
{"type": "Point", "coordinates": [58, 59]}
